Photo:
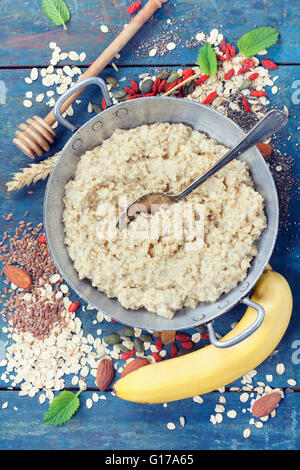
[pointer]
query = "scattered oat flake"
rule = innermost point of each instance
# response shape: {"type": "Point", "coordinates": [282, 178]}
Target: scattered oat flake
{"type": "Point", "coordinates": [198, 399]}
{"type": "Point", "coordinates": [182, 421]}
{"type": "Point", "coordinates": [171, 426]}
{"type": "Point", "coordinates": [104, 28]}
{"type": "Point", "coordinates": [231, 414]}
{"type": "Point", "coordinates": [153, 52]}
{"type": "Point", "coordinates": [246, 433]}
{"type": "Point", "coordinates": [280, 368]}
{"type": "Point", "coordinates": [89, 403]}
{"type": "Point", "coordinates": [27, 103]}
{"type": "Point", "coordinates": [39, 98]}
{"type": "Point", "coordinates": [292, 382]}
{"type": "Point", "coordinates": [170, 46]}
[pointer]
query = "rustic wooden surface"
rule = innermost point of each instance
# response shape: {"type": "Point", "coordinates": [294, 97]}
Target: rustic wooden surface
{"type": "Point", "coordinates": [113, 424]}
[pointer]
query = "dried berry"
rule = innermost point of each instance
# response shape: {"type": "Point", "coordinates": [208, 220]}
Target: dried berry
{"type": "Point", "coordinates": [269, 64]}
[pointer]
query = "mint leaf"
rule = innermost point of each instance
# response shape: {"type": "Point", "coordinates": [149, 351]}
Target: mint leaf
{"type": "Point", "coordinates": [207, 59]}
{"type": "Point", "coordinates": [257, 40]}
{"type": "Point", "coordinates": [57, 11]}
{"type": "Point", "coordinates": [62, 408]}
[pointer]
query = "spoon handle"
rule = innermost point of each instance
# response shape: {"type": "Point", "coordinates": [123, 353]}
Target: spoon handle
{"type": "Point", "coordinates": [272, 122]}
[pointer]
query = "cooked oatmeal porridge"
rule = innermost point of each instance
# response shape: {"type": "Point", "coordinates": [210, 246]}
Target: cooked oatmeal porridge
{"type": "Point", "coordinates": [163, 271]}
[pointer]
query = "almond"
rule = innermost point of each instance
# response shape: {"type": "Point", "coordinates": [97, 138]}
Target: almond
{"type": "Point", "coordinates": [134, 365]}
{"type": "Point", "coordinates": [105, 374]}
{"type": "Point", "coordinates": [265, 149]}
{"type": "Point", "coordinates": [17, 276]}
{"type": "Point", "coordinates": [266, 404]}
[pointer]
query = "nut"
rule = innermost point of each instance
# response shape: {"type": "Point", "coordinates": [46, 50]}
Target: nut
{"type": "Point", "coordinates": [17, 276]}
{"type": "Point", "coordinates": [134, 365]}
{"type": "Point", "coordinates": [266, 404]}
{"type": "Point", "coordinates": [265, 149]}
{"type": "Point", "coordinates": [105, 374]}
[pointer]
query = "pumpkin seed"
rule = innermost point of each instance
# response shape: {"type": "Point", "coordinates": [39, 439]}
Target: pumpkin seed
{"type": "Point", "coordinates": [112, 81]}
{"type": "Point", "coordinates": [146, 86]}
{"type": "Point", "coordinates": [245, 84]}
{"type": "Point", "coordinates": [191, 87]}
{"type": "Point", "coordinates": [111, 339]}
{"type": "Point", "coordinates": [163, 75]}
{"type": "Point", "coordinates": [173, 77]}
{"type": "Point", "coordinates": [119, 93]}
{"type": "Point", "coordinates": [138, 345]}
{"type": "Point", "coordinates": [184, 91]}
{"type": "Point", "coordinates": [97, 108]}
{"type": "Point", "coordinates": [146, 338]}
{"type": "Point", "coordinates": [122, 348]}
{"type": "Point", "coordinates": [126, 331]}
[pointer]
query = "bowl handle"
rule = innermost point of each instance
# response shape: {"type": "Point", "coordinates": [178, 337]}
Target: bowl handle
{"type": "Point", "coordinates": [88, 81]}
{"type": "Point", "coordinates": [245, 334]}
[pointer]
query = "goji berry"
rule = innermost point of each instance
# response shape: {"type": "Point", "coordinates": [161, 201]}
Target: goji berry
{"type": "Point", "coordinates": [210, 98]}
{"type": "Point", "coordinates": [131, 97]}
{"type": "Point", "coordinates": [125, 356]}
{"type": "Point", "coordinates": [129, 90]}
{"type": "Point", "coordinates": [246, 105]}
{"type": "Point", "coordinates": [248, 63]}
{"type": "Point", "coordinates": [169, 86]}
{"type": "Point", "coordinates": [42, 240]}
{"type": "Point", "coordinates": [269, 64]}
{"type": "Point", "coordinates": [258, 93]}
{"type": "Point", "coordinates": [134, 86]}
{"type": "Point", "coordinates": [156, 85]}
{"type": "Point", "coordinates": [128, 355]}
{"type": "Point", "coordinates": [204, 336]}
{"type": "Point", "coordinates": [242, 70]}
{"type": "Point", "coordinates": [73, 306]}
{"type": "Point", "coordinates": [229, 52]}
{"type": "Point", "coordinates": [174, 352]}
{"type": "Point", "coordinates": [182, 337]}
{"type": "Point", "coordinates": [134, 7]}
{"type": "Point", "coordinates": [149, 94]}
{"type": "Point", "coordinates": [253, 76]}
{"type": "Point", "coordinates": [157, 357]}
{"type": "Point", "coordinates": [187, 344]}
{"type": "Point", "coordinates": [220, 57]}
{"type": "Point", "coordinates": [201, 79]}
{"type": "Point", "coordinates": [188, 73]}
{"type": "Point", "coordinates": [103, 104]}
{"type": "Point", "coordinates": [223, 45]}
{"type": "Point", "coordinates": [229, 74]}
{"type": "Point", "coordinates": [161, 86]}
{"type": "Point", "coordinates": [159, 344]}
{"type": "Point", "coordinates": [180, 95]}
{"type": "Point", "coordinates": [113, 321]}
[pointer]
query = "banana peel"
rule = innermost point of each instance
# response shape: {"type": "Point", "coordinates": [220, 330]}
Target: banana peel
{"type": "Point", "coordinates": [210, 368]}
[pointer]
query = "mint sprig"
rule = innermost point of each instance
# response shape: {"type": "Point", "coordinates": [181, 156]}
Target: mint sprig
{"type": "Point", "coordinates": [57, 11]}
{"type": "Point", "coordinates": [257, 40]}
{"type": "Point", "coordinates": [62, 408]}
{"type": "Point", "coordinates": [207, 59]}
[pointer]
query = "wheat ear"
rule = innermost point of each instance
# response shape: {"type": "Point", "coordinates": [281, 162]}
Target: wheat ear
{"type": "Point", "coordinates": [32, 174]}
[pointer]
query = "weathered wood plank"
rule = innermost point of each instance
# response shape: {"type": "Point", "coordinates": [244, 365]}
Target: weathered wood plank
{"type": "Point", "coordinates": [113, 424]}
{"type": "Point", "coordinates": [26, 31]}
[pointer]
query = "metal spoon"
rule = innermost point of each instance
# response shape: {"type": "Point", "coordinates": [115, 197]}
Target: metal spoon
{"type": "Point", "coordinates": [272, 122]}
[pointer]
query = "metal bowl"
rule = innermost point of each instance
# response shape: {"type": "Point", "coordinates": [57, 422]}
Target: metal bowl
{"type": "Point", "coordinates": [131, 114]}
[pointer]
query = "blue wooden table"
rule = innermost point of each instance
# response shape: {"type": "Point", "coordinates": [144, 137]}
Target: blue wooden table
{"type": "Point", "coordinates": [25, 34]}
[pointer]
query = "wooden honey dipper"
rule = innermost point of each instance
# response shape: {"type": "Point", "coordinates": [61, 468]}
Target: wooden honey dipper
{"type": "Point", "coordinates": [34, 137]}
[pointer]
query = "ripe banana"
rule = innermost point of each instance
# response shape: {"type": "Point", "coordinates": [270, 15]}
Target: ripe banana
{"type": "Point", "coordinates": [210, 368]}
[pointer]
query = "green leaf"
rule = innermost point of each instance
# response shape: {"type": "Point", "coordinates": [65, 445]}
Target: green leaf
{"type": "Point", "coordinates": [207, 59]}
{"type": "Point", "coordinates": [62, 408]}
{"type": "Point", "coordinates": [257, 40]}
{"type": "Point", "coordinates": [57, 11]}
